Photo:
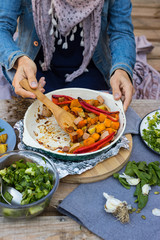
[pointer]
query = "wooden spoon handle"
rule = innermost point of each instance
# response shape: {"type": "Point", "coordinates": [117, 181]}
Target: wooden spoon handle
{"type": "Point", "coordinates": [40, 96]}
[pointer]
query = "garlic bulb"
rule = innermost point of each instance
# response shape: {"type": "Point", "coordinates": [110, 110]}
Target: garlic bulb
{"type": "Point", "coordinates": [131, 180]}
{"type": "Point", "coordinates": [118, 208]}
{"type": "Point", "coordinates": [156, 212]}
{"type": "Point", "coordinates": [145, 189]}
{"type": "Point", "coordinates": [111, 203]}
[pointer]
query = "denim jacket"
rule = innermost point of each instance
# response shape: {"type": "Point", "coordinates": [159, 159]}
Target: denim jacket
{"type": "Point", "coordinates": [115, 48]}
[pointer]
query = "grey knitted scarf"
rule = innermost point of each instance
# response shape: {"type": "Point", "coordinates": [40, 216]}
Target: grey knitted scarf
{"type": "Point", "coordinates": [64, 15]}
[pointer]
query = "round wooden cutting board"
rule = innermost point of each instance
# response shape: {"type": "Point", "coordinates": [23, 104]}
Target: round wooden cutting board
{"type": "Point", "coordinates": [104, 169]}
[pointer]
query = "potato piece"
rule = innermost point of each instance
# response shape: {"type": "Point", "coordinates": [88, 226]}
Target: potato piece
{"type": "Point", "coordinates": [3, 138]}
{"type": "Point", "coordinates": [104, 134]}
{"type": "Point", "coordinates": [65, 149]}
{"type": "Point", "coordinates": [77, 120]}
{"type": "Point", "coordinates": [92, 129]}
{"type": "Point", "coordinates": [46, 112]}
{"type": "Point", "coordinates": [100, 99]}
{"type": "Point", "coordinates": [3, 148]}
{"type": "Point", "coordinates": [81, 114]}
{"type": "Point", "coordinates": [91, 115]}
{"type": "Point", "coordinates": [103, 107]}
{"type": "Point", "coordinates": [74, 147]}
{"type": "Point", "coordinates": [86, 135]}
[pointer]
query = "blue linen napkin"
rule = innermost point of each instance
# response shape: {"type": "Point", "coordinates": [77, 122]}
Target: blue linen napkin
{"type": "Point", "coordinates": [86, 203]}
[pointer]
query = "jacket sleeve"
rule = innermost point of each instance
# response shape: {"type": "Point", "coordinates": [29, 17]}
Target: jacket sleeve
{"type": "Point", "coordinates": [122, 41]}
{"type": "Point", "coordinates": [10, 10]}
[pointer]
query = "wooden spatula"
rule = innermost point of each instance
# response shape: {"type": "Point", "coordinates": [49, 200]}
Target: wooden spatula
{"type": "Point", "coordinates": [63, 118]}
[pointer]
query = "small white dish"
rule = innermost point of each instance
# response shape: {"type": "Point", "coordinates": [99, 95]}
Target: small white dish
{"type": "Point", "coordinates": [144, 125]}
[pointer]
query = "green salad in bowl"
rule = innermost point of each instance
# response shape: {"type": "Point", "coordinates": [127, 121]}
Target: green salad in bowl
{"type": "Point", "coordinates": [32, 174]}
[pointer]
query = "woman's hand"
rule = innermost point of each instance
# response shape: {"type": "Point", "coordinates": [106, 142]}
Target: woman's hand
{"type": "Point", "coordinates": [122, 87]}
{"type": "Point", "coordinates": [26, 68]}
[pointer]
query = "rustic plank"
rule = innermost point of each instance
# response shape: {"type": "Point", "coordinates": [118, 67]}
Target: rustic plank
{"type": "Point", "coordinates": [146, 12]}
{"type": "Point", "coordinates": [146, 5]}
{"type": "Point", "coordinates": [151, 35]}
{"type": "Point", "coordinates": [145, 2]}
{"type": "Point", "coordinates": [155, 53]}
{"type": "Point", "coordinates": [155, 63]}
{"type": "Point", "coordinates": [146, 23]}
{"type": "Point", "coordinates": [46, 228]}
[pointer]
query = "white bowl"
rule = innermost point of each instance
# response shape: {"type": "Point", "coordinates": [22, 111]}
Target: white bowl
{"type": "Point", "coordinates": [31, 125]}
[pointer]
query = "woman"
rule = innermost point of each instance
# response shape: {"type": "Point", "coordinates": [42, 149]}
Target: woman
{"type": "Point", "coordinates": [82, 43]}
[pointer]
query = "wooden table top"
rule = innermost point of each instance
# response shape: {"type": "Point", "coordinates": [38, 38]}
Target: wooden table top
{"type": "Point", "coordinates": [50, 225]}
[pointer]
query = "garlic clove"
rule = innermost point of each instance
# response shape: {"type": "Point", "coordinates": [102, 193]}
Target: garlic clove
{"type": "Point", "coordinates": [112, 204]}
{"type": "Point", "coordinates": [145, 189]}
{"type": "Point", "coordinates": [156, 212]}
{"type": "Point", "coordinates": [131, 180]}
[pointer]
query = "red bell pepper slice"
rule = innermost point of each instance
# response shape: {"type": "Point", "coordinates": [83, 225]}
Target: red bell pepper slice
{"type": "Point", "coordinates": [95, 146]}
{"type": "Point", "coordinates": [65, 96]}
{"type": "Point", "coordinates": [96, 110]}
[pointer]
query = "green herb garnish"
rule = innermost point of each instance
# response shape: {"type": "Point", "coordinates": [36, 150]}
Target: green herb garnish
{"type": "Point", "coordinates": [152, 134]}
{"type": "Point", "coordinates": [148, 174]}
{"type": "Point", "coordinates": [32, 180]}
{"type": "Point", "coordinates": [8, 196]}
{"type": "Point", "coordinates": [1, 129]}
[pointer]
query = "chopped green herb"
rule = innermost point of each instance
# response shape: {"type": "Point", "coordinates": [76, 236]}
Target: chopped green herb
{"type": "Point", "coordinates": [1, 129]}
{"type": "Point", "coordinates": [8, 196]}
{"type": "Point", "coordinates": [152, 134]}
{"type": "Point", "coordinates": [32, 180]}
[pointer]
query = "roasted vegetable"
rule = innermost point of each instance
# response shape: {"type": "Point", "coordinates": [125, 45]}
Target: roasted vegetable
{"type": "Point", "coordinates": [97, 110]}
{"type": "Point", "coordinates": [3, 148]}
{"type": "Point", "coordinates": [95, 146]}
{"type": "Point", "coordinates": [95, 123]}
{"type": "Point", "coordinates": [3, 138]}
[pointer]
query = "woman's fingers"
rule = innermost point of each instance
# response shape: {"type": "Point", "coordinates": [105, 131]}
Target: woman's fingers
{"type": "Point", "coordinates": [26, 68]}
{"type": "Point", "coordinates": [122, 87]}
{"type": "Point", "coordinates": [18, 89]}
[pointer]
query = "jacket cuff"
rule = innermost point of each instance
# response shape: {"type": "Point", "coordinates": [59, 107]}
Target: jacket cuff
{"type": "Point", "coordinates": [12, 59]}
{"type": "Point", "coordinates": [124, 67]}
